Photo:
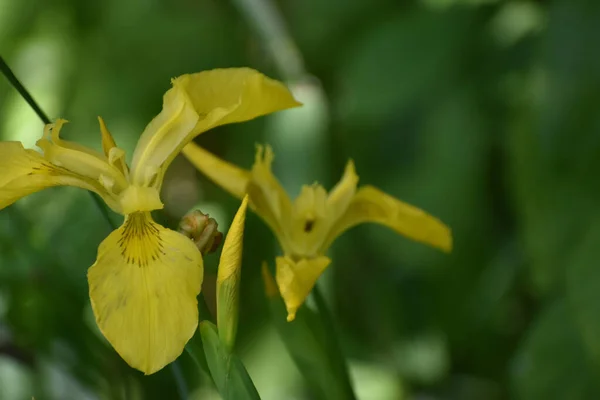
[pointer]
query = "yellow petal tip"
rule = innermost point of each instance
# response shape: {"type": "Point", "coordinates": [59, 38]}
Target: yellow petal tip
{"type": "Point", "coordinates": [447, 244]}
{"type": "Point", "coordinates": [291, 315]}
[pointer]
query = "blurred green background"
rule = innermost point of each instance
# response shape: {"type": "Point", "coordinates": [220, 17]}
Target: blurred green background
{"type": "Point", "coordinates": [482, 112]}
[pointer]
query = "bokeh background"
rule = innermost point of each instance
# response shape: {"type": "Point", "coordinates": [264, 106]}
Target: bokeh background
{"type": "Point", "coordinates": [482, 112]}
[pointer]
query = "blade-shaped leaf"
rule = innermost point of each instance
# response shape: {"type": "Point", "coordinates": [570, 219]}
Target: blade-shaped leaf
{"type": "Point", "coordinates": [583, 290]}
{"type": "Point", "coordinates": [230, 375]}
{"type": "Point", "coordinates": [552, 362]}
{"type": "Point", "coordinates": [311, 349]}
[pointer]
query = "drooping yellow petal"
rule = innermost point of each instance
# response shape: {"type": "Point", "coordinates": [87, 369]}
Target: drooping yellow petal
{"type": "Point", "coordinates": [296, 280]}
{"type": "Point", "coordinates": [230, 177]}
{"type": "Point", "coordinates": [143, 290]}
{"type": "Point", "coordinates": [372, 205]}
{"type": "Point", "coordinates": [228, 278]}
{"type": "Point", "coordinates": [25, 171]}
{"type": "Point", "coordinates": [198, 102]}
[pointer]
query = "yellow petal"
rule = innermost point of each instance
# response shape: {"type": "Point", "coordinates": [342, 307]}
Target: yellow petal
{"type": "Point", "coordinates": [25, 171]}
{"type": "Point", "coordinates": [267, 196]}
{"type": "Point", "coordinates": [79, 159]}
{"type": "Point", "coordinates": [115, 155]}
{"type": "Point", "coordinates": [52, 134]}
{"type": "Point", "coordinates": [143, 290]}
{"type": "Point", "coordinates": [372, 205]}
{"type": "Point", "coordinates": [315, 213]}
{"type": "Point", "coordinates": [342, 194]}
{"type": "Point", "coordinates": [310, 222]}
{"type": "Point", "coordinates": [198, 102]}
{"type": "Point", "coordinates": [228, 278]}
{"type": "Point", "coordinates": [140, 198]}
{"type": "Point", "coordinates": [230, 177]}
{"type": "Point", "coordinates": [296, 280]}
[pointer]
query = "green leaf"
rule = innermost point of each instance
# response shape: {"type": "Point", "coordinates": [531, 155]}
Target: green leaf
{"type": "Point", "coordinates": [311, 349]}
{"type": "Point", "coordinates": [583, 289]}
{"type": "Point", "coordinates": [230, 375]}
{"type": "Point", "coordinates": [551, 363]}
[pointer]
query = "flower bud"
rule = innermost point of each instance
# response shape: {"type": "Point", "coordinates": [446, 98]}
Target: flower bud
{"type": "Point", "coordinates": [202, 229]}
{"type": "Point", "coordinates": [228, 278]}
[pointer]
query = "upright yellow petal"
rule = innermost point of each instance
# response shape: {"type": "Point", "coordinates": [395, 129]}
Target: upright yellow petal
{"type": "Point", "coordinates": [230, 177]}
{"type": "Point", "coordinates": [309, 223]}
{"type": "Point", "coordinates": [267, 196]}
{"type": "Point", "coordinates": [25, 171]}
{"type": "Point", "coordinates": [52, 133]}
{"type": "Point", "coordinates": [342, 194]}
{"type": "Point", "coordinates": [372, 205]}
{"type": "Point", "coordinates": [296, 280]}
{"type": "Point", "coordinates": [79, 159]}
{"type": "Point", "coordinates": [143, 289]}
{"type": "Point", "coordinates": [114, 154]}
{"type": "Point", "coordinates": [198, 102]}
{"type": "Point", "coordinates": [228, 278]}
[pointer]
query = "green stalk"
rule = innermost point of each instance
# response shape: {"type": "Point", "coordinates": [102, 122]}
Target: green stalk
{"type": "Point", "coordinates": [333, 343]}
{"type": "Point", "coordinates": [14, 81]}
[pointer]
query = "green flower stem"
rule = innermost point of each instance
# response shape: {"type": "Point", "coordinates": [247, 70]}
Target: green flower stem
{"type": "Point", "coordinates": [333, 342]}
{"type": "Point", "coordinates": [14, 81]}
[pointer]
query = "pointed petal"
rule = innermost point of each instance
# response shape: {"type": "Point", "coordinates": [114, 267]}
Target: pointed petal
{"type": "Point", "coordinates": [228, 278]}
{"type": "Point", "coordinates": [372, 205]}
{"type": "Point", "coordinates": [267, 196]}
{"type": "Point", "coordinates": [115, 155]}
{"type": "Point", "coordinates": [25, 171]}
{"type": "Point", "coordinates": [52, 134]}
{"type": "Point", "coordinates": [143, 290]}
{"type": "Point", "coordinates": [230, 177]}
{"type": "Point", "coordinates": [201, 101]}
{"type": "Point", "coordinates": [296, 280]}
{"type": "Point", "coordinates": [342, 194]}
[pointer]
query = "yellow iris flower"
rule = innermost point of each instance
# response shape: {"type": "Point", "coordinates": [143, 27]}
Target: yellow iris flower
{"type": "Point", "coordinates": [307, 227]}
{"type": "Point", "coordinates": [144, 283]}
